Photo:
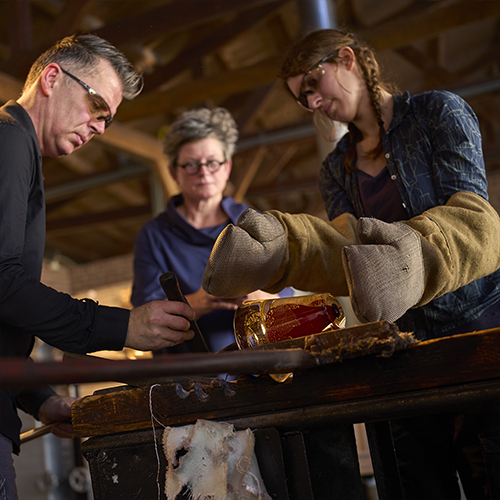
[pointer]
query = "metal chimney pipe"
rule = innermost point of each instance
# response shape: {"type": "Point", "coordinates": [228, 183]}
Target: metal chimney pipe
{"type": "Point", "coordinates": [317, 15]}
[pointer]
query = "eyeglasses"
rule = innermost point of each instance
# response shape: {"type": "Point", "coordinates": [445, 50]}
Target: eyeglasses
{"type": "Point", "coordinates": [312, 78]}
{"type": "Point", "coordinates": [98, 107]}
{"type": "Point", "coordinates": [193, 167]}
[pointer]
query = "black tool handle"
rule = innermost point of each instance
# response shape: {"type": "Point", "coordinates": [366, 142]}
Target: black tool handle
{"type": "Point", "coordinates": [170, 285]}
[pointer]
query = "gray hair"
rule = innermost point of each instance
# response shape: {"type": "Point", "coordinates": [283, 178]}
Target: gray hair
{"type": "Point", "coordinates": [82, 53]}
{"type": "Point", "coordinates": [200, 124]}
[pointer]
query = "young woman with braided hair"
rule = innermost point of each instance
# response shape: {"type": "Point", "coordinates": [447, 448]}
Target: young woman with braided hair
{"type": "Point", "coordinates": [411, 238]}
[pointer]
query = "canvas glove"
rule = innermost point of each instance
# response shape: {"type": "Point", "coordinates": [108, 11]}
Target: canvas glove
{"type": "Point", "coordinates": [385, 268]}
{"type": "Point", "coordinates": [245, 257]}
{"type": "Point", "coordinates": [385, 273]}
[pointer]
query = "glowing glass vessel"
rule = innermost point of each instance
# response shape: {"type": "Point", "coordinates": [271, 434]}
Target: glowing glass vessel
{"type": "Point", "coordinates": [258, 322]}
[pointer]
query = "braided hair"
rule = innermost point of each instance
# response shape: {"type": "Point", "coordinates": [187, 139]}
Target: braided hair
{"type": "Point", "coordinates": [305, 53]}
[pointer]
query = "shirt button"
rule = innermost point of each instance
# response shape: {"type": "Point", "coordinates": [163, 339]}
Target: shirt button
{"type": "Point", "coordinates": [393, 177]}
{"type": "Point", "coordinates": [387, 155]}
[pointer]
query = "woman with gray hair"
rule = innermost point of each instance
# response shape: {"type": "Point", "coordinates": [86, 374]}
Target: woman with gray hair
{"type": "Point", "coordinates": [199, 144]}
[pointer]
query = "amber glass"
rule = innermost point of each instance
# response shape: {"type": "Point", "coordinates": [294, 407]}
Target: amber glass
{"type": "Point", "coordinates": [259, 322]}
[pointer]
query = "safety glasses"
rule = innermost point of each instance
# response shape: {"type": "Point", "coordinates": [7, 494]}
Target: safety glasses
{"type": "Point", "coordinates": [312, 78]}
{"type": "Point", "coordinates": [97, 106]}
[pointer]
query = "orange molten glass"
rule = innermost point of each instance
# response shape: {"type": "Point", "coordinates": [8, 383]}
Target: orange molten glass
{"type": "Point", "coordinates": [259, 322]}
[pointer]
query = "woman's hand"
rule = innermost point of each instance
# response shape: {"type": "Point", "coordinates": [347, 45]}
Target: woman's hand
{"type": "Point", "coordinates": [260, 295]}
{"type": "Point", "coordinates": [203, 303]}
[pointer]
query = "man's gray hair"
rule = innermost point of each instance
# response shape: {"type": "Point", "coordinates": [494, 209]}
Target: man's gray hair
{"type": "Point", "coordinates": [200, 124]}
{"type": "Point", "coordinates": [81, 54]}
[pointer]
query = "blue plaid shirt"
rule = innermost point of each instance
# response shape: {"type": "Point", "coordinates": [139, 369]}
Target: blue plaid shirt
{"type": "Point", "coordinates": [432, 150]}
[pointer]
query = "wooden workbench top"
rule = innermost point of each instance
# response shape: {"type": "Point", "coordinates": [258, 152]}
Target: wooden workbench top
{"type": "Point", "coordinates": [434, 375]}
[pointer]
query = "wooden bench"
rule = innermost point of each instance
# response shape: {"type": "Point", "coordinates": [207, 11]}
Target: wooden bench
{"type": "Point", "coordinates": [304, 427]}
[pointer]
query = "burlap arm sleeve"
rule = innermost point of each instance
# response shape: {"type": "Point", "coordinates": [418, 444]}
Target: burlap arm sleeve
{"type": "Point", "coordinates": [460, 243]}
{"type": "Point", "coordinates": [313, 260]}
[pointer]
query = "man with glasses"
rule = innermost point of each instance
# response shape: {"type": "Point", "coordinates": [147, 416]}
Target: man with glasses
{"type": "Point", "coordinates": [71, 94]}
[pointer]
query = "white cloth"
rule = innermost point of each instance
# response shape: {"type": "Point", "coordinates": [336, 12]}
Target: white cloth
{"type": "Point", "coordinates": [214, 461]}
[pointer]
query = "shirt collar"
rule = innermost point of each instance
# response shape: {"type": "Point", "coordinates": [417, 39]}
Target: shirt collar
{"type": "Point", "coordinates": [23, 118]}
{"type": "Point", "coordinates": [401, 106]}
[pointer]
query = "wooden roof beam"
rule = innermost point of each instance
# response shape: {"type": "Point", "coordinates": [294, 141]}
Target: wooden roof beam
{"type": "Point", "coordinates": [10, 87]}
{"type": "Point", "coordinates": [428, 65]}
{"type": "Point", "coordinates": [249, 174]}
{"type": "Point", "coordinates": [144, 146]}
{"type": "Point", "coordinates": [66, 22]}
{"type": "Point", "coordinates": [210, 43]}
{"type": "Point", "coordinates": [73, 225]}
{"type": "Point", "coordinates": [281, 163]}
{"type": "Point", "coordinates": [189, 94]}
{"type": "Point", "coordinates": [252, 105]}
{"type": "Point", "coordinates": [172, 18]}
{"type": "Point", "coordinates": [20, 35]}
{"type": "Point", "coordinates": [431, 22]}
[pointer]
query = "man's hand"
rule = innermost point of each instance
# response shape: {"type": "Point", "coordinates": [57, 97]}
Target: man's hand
{"type": "Point", "coordinates": [159, 324]}
{"type": "Point", "coordinates": [58, 409]}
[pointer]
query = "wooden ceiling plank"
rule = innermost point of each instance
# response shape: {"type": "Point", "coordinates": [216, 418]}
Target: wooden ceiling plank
{"type": "Point", "coordinates": [305, 133]}
{"type": "Point", "coordinates": [71, 225]}
{"type": "Point", "coordinates": [77, 252]}
{"type": "Point", "coordinates": [434, 47]}
{"type": "Point", "coordinates": [426, 64]}
{"type": "Point", "coordinates": [144, 146]}
{"type": "Point", "coordinates": [77, 163]}
{"type": "Point", "coordinates": [66, 22]}
{"type": "Point", "coordinates": [279, 165]}
{"type": "Point", "coordinates": [20, 35]}
{"type": "Point", "coordinates": [10, 87]}
{"type": "Point", "coordinates": [21, 28]}
{"type": "Point", "coordinates": [172, 18]}
{"type": "Point", "coordinates": [489, 57]}
{"type": "Point", "coordinates": [369, 13]}
{"type": "Point", "coordinates": [294, 162]}
{"type": "Point", "coordinates": [127, 194]}
{"type": "Point", "coordinates": [249, 174]}
{"type": "Point", "coordinates": [279, 33]}
{"type": "Point", "coordinates": [187, 58]}
{"type": "Point", "coordinates": [293, 185]}
{"type": "Point", "coordinates": [70, 190]}
{"type": "Point", "coordinates": [189, 94]}
{"type": "Point", "coordinates": [252, 106]}
{"type": "Point", "coordinates": [437, 19]}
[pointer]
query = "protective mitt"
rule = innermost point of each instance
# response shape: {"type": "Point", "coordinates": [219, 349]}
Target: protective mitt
{"type": "Point", "coordinates": [386, 277]}
{"type": "Point", "coordinates": [273, 250]}
{"type": "Point", "coordinates": [408, 264]}
{"type": "Point", "coordinates": [245, 257]}
{"type": "Point", "coordinates": [459, 243]}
